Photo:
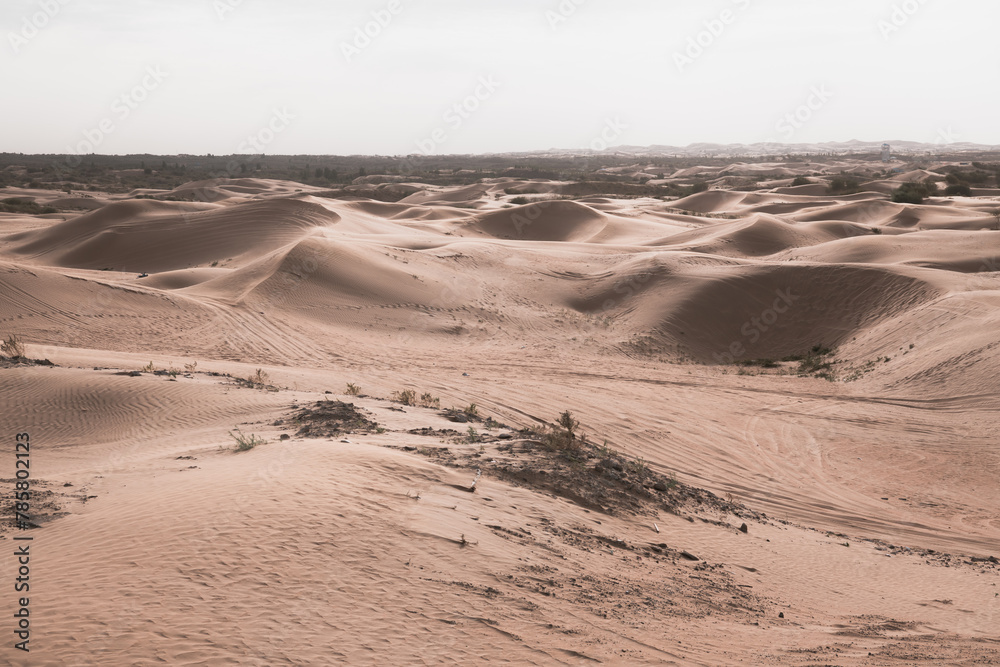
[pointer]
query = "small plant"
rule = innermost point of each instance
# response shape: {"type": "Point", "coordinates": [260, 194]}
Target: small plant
{"type": "Point", "coordinates": [429, 401]}
{"type": "Point", "coordinates": [353, 389]}
{"type": "Point", "coordinates": [491, 423]}
{"type": "Point", "coordinates": [672, 482]}
{"type": "Point", "coordinates": [563, 437]}
{"type": "Point", "coordinates": [639, 466]}
{"type": "Point", "coordinates": [260, 378]}
{"type": "Point", "coordinates": [876, 230]}
{"type": "Point", "coordinates": [473, 434]}
{"type": "Point", "coordinates": [12, 347]}
{"type": "Point", "coordinates": [191, 368]}
{"type": "Point", "coordinates": [215, 263]}
{"type": "Point", "coordinates": [471, 411]}
{"type": "Point", "coordinates": [149, 368]}
{"type": "Point", "coordinates": [245, 443]}
{"type": "Point", "coordinates": [380, 430]}
{"type": "Point", "coordinates": [567, 422]}
{"type": "Point", "coordinates": [406, 397]}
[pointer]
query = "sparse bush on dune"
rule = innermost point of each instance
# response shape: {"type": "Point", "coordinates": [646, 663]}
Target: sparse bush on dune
{"type": "Point", "coordinates": [958, 190]}
{"type": "Point", "coordinates": [12, 347]}
{"type": "Point", "coordinates": [801, 180]}
{"type": "Point", "coordinates": [913, 193]}
{"type": "Point", "coordinates": [844, 185]}
{"type": "Point", "coordinates": [353, 389]}
{"type": "Point", "coordinates": [563, 435]}
{"type": "Point", "coordinates": [245, 443]}
{"type": "Point", "coordinates": [260, 378]}
{"type": "Point", "coordinates": [406, 397]}
{"type": "Point", "coordinates": [16, 205]}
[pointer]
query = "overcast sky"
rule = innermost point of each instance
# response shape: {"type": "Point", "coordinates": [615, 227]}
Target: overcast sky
{"type": "Point", "coordinates": [301, 76]}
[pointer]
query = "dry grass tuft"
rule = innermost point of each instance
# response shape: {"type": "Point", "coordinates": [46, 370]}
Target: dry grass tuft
{"type": "Point", "coordinates": [406, 397]}
{"type": "Point", "coordinates": [13, 347]}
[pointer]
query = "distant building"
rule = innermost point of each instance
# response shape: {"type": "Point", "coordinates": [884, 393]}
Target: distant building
{"type": "Point", "coordinates": [886, 153]}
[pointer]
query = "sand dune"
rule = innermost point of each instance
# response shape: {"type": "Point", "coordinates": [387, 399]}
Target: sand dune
{"type": "Point", "coordinates": [544, 221]}
{"type": "Point", "coordinates": [152, 236]}
{"type": "Point", "coordinates": [759, 235]}
{"type": "Point", "coordinates": [866, 481]}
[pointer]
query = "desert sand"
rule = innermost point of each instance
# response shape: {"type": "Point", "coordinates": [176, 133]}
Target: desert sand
{"type": "Point", "coordinates": [856, 442]}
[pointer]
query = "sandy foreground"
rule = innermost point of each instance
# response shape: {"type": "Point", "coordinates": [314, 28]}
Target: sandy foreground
{"type": "Point", "coordinates": [858, 447]}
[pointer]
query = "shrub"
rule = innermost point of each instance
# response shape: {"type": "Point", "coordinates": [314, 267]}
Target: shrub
{"type": "Point", "coordinates": [245, 443]}
{"type": "Point", "coordinates": [801, 180]}
{"type": "Point", "coordinates": [12, 347]}
{"type": "Point", "coordinates": [563, 437]}
{"type": "Point", "coordinates": [913, 193]}
{"type": "Point", "coordinates": [844, 185]}
{"type": "Point", "coordinates": [15, 205]}
{"type": "Point", "coordinates": [260, 378]}
{"type": "Point", "coordinates": [406, 397]}
{"type": "Point", "coordinates": [353, 389]}
{"type": "Point", "coordinates": [429, 401]}
{"type": "Point", "coordinates": [520, 201]}
{"type": "Point", "coordinates": [471, 411]}
{"type": "Point", "coordinates": [958, 190]}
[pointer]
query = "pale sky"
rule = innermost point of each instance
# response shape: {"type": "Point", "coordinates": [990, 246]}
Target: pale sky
{"type": "Point", "coordinates": [292, 76]}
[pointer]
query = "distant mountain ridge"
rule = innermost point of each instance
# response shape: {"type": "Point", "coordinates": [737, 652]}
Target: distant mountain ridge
{"type": "Point", "coordinates": [776, 148]}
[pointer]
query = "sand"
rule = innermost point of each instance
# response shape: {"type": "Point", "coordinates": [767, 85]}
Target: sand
{"type": "Point", "coordinates": [868, 486]}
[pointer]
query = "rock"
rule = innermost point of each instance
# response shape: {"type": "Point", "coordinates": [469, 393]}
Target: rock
{"type": "Point", "coordinates": [285, 436]}
{"type": "Point", "coordinates": [661, 487]}
{"type": "Point", "coordinates": [505, 436]}
{"type": "Point", "coordinates": [781, 614]}
{"type": "Point", "coordinates": [689, 556]}
{"type": "Point", "coordinates": [744, 529]}
{"type": "Point", "coordinates": [611, 464]}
